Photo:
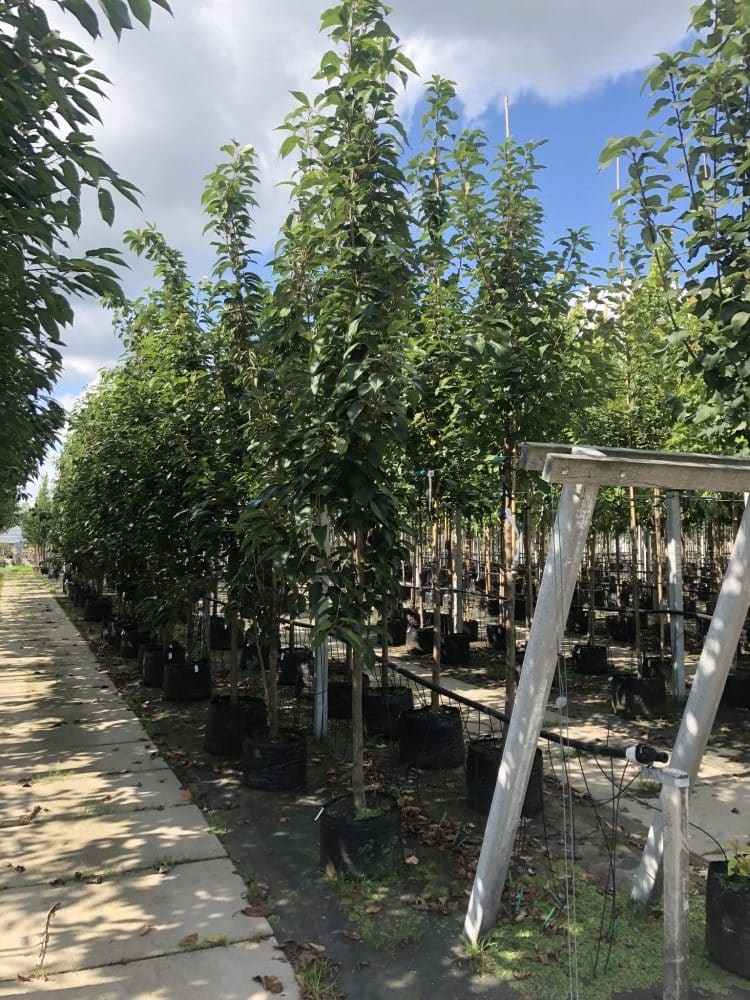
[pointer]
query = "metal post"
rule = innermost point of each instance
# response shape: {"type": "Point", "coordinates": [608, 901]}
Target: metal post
{"type": "Point", "coordinates": [676, 620]}
{"type": "Point", "coordinates": [555, 594]}
{"type": "Point", "coordinates": [705, 694]}
{"type": "Point", "coordinates": [674, 801]}
{"type": "Point", "coordinates": [320, 685]}
{"type": "Point", "coordinates": [458, 573]}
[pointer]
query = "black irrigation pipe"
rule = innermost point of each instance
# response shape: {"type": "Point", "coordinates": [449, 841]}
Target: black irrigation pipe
{"type": "Point", "coordinates": [605, 751]}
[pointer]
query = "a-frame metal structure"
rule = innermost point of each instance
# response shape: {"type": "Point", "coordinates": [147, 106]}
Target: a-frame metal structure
{"type": "Point", "coordinates": [582, 471]}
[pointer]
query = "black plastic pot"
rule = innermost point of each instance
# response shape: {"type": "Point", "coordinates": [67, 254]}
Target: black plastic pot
{"type": "Point", "coordinates": [152, 665]}
{"type": "Point", "coordinates": [496, 637]}
{"type": "Point", "coordinates": [340, 696]}
{"type": "Point", "coordinates": [175, 653]}
{"type": "Point", "coordinates": [228, 725]}
{"type": "Point", "coordinates": [736, 692]}
{"type": "Point", "coordinates": [419, 640]}
{"type": "Point", "coordinates": [96, 609]}
{"type": "Point", "coordinates": [431, 739]}
{"type": "Point", "coordinates": [186, 681]}
{"type": "Point", "coordinates": [578, 621]}
{"type": "Point", "coordinates": [381, 710]}
{"type": "Point", "coordinates": [590, 659]}
{"type": "Point", "coordinates": [493, 606]}
{"type": "Point", "coordinates": [220, 634]}
{"type": "Point", "coordinates": [728, 919]}
{"type": "Point", "coordinates": [483, 758]}
{"type": "Point", "coordinates": [638, 697]}
{"type": "Point", "coordinates": [621, 627]}
{"type": "Point", "coordinates": [471, 628]}
{"type": "Point", "coordinates": [369, 846]}
{"type": "Point", "coordinates": [655, 666]}
{"type": "Point", "coordinates": [455, 649]}
{"type": "Point", "coordinates": [275, 766]}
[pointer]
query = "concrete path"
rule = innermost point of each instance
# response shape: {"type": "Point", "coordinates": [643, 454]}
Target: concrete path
{"type": "Point", "coordinates": [112, 885]}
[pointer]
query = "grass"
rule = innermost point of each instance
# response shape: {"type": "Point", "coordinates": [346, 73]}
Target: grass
{"type": "Point", "coordinates": [318, 978]}
{"type": "Point", "coordinates": [217, 826]}
{"type": "Point", "coordinates": [380, 910]}
{"type": "Point", "coordinates": [607, 945]}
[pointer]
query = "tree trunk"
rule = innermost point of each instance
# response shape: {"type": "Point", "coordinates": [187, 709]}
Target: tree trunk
{"type": "Point", "coordinates": [659, 560]}
{"type": "Point", "coordinates": [234, 658]}
{"type": "Point", "coordinates": [634, 582]}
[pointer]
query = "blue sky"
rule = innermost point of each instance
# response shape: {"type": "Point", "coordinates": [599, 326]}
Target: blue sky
{"type": "Point", "coordinates": [223, 69]}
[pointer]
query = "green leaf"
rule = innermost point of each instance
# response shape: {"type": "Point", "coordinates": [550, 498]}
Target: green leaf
{"type": "Point", "coordinates": [85, 15]}
{"type": "Point", "coordinates": [106, 206]}
{"type": "Point", "coordinates": [141, 10]}
{"type": "Point", "coordinates": [117, 15]}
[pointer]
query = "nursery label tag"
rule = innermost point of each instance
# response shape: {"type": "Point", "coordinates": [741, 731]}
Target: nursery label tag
{"type": "Point", "coordinates": [195, 668]}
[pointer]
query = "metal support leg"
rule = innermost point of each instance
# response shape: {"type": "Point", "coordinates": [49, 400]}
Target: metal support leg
{"type": "Point", "coordinates": [705, 694]}
{"type": "Point", "coordinates": [674, 800]}
{"type": "Point", "coordinates": [555, 594]}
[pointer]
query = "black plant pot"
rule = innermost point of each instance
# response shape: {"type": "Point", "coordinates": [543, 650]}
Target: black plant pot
{"type": "Point", "coordinates": [340, 696]}
{"type": "Point", "coordinates": [578, 621]}
{"type": "Point", "coordinates": [381, 710]}
{"type": "Point", "coordinates": [175, 653]}
{"type": "Point", "coordinates": [621, 628]}
{"type": "Point", "coordinates": [419, 640]}
{"type": "Point", "coordinates": [96, 609]}
{"type": "Point", "coordinates": [228, 725]}
{"type": "Point", "coordinates": [361, 847]}
{"type": "Point", "coordinates": [431, 739]}
{"type": "Point", "coordinates": [220, 634]}
{"type": "Point", "coordinates": [483, 758]}
{"type": "Point", "coordinates": [728, 919]}
{"type": "Point", "coordinates": [455, 649]}
{"type": "Point", "coordinates": [493, 606]}
{"type": "Point", "coordinates": [471, 628]}
{"type": "Point", "coordinates": [655, 666]}
{"type": "Point", "coordinates": [736, 692]}
{"type": "Point", "coordinates": [638, 697]}
{"type": "Point", "coordinates": [130, 640]}
{"type": "Point", "coordinates": [590, 659]}
{"type": "Point", "coordinates": [275, 766]}
{"type": "Point", "coordinates": [152, 664]}
{"type": "Point", "coordinates": [496, 637]}
{"type": "Point", "coordinates": [187, 681]}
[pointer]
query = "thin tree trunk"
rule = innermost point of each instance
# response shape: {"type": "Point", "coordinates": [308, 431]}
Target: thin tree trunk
{"type": "Point", "coordinates": [358, 766]}
{"type": "Point", "coordinates": [437, 594]}
{"type": "Point", "coordinates": [234, 658]}
{"type": "Point", "coordinates": [634, 582]}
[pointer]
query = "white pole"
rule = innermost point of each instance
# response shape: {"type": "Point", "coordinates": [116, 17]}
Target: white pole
{"type": "Point", "coordinates": [705, 694]}
{"type": "Point", "coordinates": [676, 620]}
{"type": "Point", "coordinates": [555, 594]}
{"type": "Point", "coordinates": [458, 572]}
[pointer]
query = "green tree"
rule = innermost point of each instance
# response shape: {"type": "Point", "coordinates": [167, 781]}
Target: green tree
{"type": "Point", "coordinates": [47, 161]}
{"type": "Point", "coordinates": [354, 228]}
{"type": "Point", "coordinates": [688, 196]}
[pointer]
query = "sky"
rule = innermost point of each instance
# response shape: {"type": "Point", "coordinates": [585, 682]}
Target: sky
{"type": "Point", "coordinates": [223, 69]}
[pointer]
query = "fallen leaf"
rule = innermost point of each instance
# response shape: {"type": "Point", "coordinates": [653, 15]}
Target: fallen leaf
{"type": "Point", "coordinates": [313, 946]}
{"type": "Point", "coordinates": [256, 911]}
{"type": "Point", "coordinates": [420, 903]}
{"type": "Point", "coordinates": [412, 860]}
{"type": "Point", "coordinates": [20, 868]}
{"type": "Point", "coordinates": [521, 975]}
{"type": "Point", "coordinates": [163, 870]}
{"type": "Point", "coordinates": [283, 819]}
{"type": "Point", "coordinates": [352, 935]}
{"type": "Point", "coordinates": [94, 880]}
{"type": "Point", "coordinates": [189, 941]}
{"type": "Point", "coordinates": [24, 979]}
{"type": "Point", "coordinates": [186, 795]}
{"type": "Point", "coordinates": [145, 930]}
{"type": "Point", "coordinates": [270, 983]}
{"type": "Point", "coordinates": [373, 909]}
{"type": "Point", "coordinates": [543, 958]}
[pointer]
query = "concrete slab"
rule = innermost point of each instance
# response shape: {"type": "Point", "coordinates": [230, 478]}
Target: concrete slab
{"type": "Point", "coordinates": [135, 756]}
{"type": "Point", "coordinates": [229, 973]}
{"type": "Point", "coordinates": [124, 919]}
{"type": "Point", "coordinates": [78, 795]}
{"type": "Point", "coordinates": [55, 735]}
{"type": "Point", "coordinates": [104, 845]}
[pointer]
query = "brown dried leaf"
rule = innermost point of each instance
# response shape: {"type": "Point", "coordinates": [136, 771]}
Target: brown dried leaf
{"type": "Point", "coordinates": [186, 795]}
{"type": "Point", "coordinates": [373, 908]}
{"type": "Point", "coordinates": [521, 975]}
{"type": "Point", "coordinates": [189, 941]}
{"type": "Point", "coordinates": [352, 935]}
{"type": "Point", "coordinates": [544, 958]}
{"type": "Point", "coordinates": [412, 860]}
{"type": "Point", "coordinates": [270, 983]}
{"type": "Point", "coordinates": [256, 911]}
{"type": "Point", "coordinates": [313, 946]}
{"type": "Point", "coordinates": [20, 868]}
{"type": "Point", "coordinates": [145, 930]}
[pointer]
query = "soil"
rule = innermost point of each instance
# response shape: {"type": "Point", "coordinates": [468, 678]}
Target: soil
{"type": "Point", "coordinates": [400, 937]}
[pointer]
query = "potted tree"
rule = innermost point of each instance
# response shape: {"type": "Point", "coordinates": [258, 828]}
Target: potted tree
{"type": "Point", "coordinates": [351, 228]}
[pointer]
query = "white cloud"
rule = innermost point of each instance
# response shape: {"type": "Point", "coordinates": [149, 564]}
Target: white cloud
{"type": "Point", "coordinates": [223, 69]}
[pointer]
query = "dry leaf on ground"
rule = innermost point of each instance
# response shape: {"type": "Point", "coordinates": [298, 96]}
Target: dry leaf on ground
{"type": "Point", "coordinates": [189, 941]}
{"type": "Point", "coordinates": [270, 983]}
